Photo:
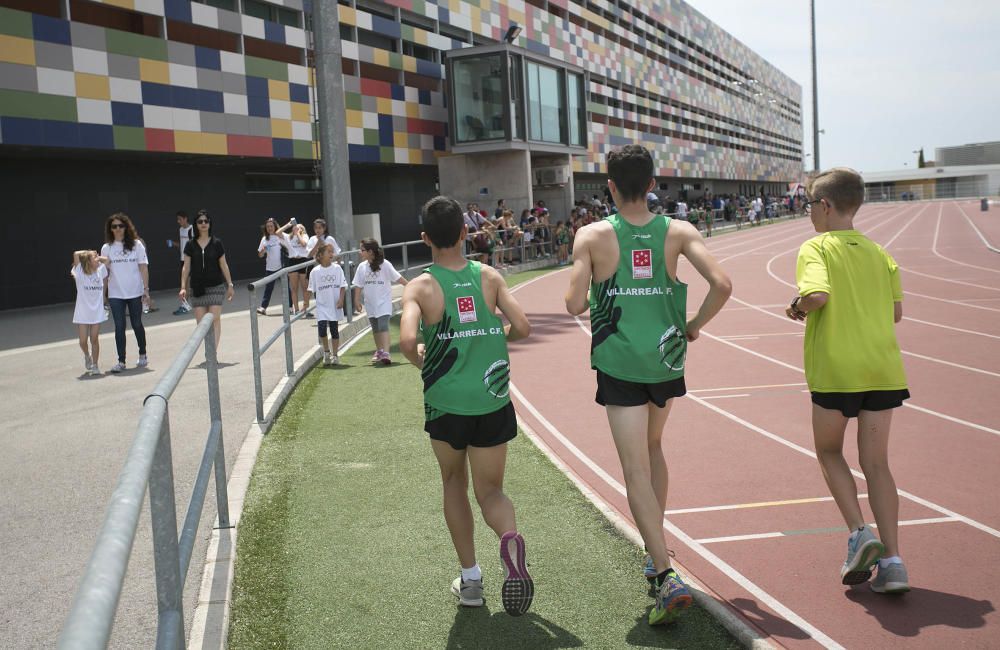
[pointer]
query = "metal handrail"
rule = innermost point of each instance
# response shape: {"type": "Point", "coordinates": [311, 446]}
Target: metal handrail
{"type": "Point", "coordinates": [347, 259]}
{"type": "Point", "coordinates": [149, 462]}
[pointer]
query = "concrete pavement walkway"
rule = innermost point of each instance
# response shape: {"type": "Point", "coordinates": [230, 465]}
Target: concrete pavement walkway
{"type": "Point", "coordinates": [65, 437]}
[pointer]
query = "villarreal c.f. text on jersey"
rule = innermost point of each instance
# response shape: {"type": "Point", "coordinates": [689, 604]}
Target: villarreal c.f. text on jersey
{"type": "Point", "coordinates": [466, 368]}
{"type": "Point", "coordinates": [638, 316]}
{"type": "Point", "coordinates": [850, 344]}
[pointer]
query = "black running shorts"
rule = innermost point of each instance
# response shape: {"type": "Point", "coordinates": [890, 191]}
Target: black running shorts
{"type": "Point", "coordinates": [618, 392]}
{"type": "Point", "coordinates": [461, 431]}
{"type": "Point", "coordinates": [851, 403]}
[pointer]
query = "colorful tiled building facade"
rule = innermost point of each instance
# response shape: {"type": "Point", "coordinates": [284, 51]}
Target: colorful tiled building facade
{"type": "Point", "coordinates": [189, 89]}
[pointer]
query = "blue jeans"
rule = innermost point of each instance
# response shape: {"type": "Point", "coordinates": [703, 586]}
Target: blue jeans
{"type": "Point", "coordinates": [134, 305]}
{"type": "Point", "coordinates": [269, 288]}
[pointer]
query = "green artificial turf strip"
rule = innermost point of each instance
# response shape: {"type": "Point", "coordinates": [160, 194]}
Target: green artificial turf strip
{"type": "Point", "coordinates": [343, 544]}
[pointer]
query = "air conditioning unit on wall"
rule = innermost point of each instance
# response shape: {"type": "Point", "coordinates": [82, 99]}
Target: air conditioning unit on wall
{"type": "Point", "coordinates": [551, 175]}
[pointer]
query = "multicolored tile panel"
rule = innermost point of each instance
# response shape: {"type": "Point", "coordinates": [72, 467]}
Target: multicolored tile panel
{"type": "Point", "coordinates": [71, 84]}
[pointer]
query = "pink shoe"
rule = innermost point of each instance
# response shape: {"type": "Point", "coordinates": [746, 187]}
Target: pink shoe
{"type": "Point", "coordinates": [384, 358]}
{"type": "Point", "coordinates": [377, 356]}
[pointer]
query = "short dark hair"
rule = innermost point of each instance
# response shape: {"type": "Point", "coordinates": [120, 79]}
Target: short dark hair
{"type": "Point", "coordinates": [631, 169]}
{"type": "Point", "coordinates": [181, 213]}
{"type": "Point", "coordinates": [443, 221]}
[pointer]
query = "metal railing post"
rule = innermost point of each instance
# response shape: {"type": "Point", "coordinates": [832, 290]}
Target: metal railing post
{"type": "Point", "coordinates": [166, 556]}
{"type": "Point", "coordinates": [406, 257]}
{"type": "Point", "coordinates": [258, 385]}
{"type": "Point", "coordinates": [349, 295]}
{"type": "Point", "coordinates": [215, 411]}
{"type": "Point", "coordinates": [289, 360]}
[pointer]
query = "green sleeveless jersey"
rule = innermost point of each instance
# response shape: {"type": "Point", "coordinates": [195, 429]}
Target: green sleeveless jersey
{"type": "Point", "coordinates": [466, 368]}
{"type": "Point", "coordinates": [638, 316]}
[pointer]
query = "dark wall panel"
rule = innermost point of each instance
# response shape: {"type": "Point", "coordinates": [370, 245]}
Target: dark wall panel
{"type": "Point", "coordinates": [57, 206]}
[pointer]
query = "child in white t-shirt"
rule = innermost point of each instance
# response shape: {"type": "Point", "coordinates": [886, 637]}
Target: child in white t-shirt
{"type": "Point", "coordinates": [90, 271]}
{"type": "Point", "coordinates": [328, 284]}
{"type": "Point", "coordinates": [375, 277]}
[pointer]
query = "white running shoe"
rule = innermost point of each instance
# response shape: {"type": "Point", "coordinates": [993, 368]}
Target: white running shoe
{"type": "Point", "coordinates": [118, 367]}
{"type": "Point", "coordinates": [94, 370]}
{"type": "Point", "coordinates": [87, 363]}
{"type": "Point", "coordinates": [142, 362]}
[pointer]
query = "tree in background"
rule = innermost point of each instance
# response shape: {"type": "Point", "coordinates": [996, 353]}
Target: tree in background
{"type": "Point", "coordinates": [920, 160]}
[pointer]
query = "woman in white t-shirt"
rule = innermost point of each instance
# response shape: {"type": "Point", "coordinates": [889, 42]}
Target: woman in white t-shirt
{"type": "Point", "coordinates": [298, 252]}
{"type": "Point", "coordinates": [374, 278]}
{"type": "Point", "coordinates": [128, 283]}
{"type": "Point", "coordinates": [271, 244]}
{"type": "Point", "coordinates": [89, 271]}
{"type": "Point", "coordinates": [321, 234]}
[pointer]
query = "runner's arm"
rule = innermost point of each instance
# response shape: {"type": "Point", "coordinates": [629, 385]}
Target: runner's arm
{"type": "Point", "coordinates": [897, 311]}
{"type": "Point", "coordinates": [580, 274]}
{"type": "Point", "coordinates": [519, 326]}
{"type": "Point", "coordinates": [720, 287]}
{"type": "Point", "coordinates": [409, 324]}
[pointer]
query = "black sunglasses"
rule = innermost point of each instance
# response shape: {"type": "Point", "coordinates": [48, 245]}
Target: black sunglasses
{"type": "Point", "coordinates": [117, 226]}
{"type": "Point", "coordinates": [202, 221]}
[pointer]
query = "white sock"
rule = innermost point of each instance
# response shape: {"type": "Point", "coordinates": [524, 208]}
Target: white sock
{"type": "Point", "coordinates": [473, 573]}
{"type": "Point", "coordinates": [886, 561]}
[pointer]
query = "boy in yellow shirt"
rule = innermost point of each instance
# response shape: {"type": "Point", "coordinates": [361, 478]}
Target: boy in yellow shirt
{"type": "Point", "coordinates": [850, 290]}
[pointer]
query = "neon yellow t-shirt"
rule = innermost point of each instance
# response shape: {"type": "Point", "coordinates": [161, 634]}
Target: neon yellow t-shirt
{"type": "Point", "coordinates": [850, 344]}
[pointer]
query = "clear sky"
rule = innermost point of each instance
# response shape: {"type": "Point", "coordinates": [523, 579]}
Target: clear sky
{"type": "Point", "coordinates": [894, 75]}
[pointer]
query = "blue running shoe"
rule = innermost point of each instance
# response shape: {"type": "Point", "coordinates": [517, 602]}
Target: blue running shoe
{"type": "Point", "coordinates": [863, 552]}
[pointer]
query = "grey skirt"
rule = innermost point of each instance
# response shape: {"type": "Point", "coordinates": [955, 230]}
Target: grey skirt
{"type": "Point", "coordinates": [213, 297]}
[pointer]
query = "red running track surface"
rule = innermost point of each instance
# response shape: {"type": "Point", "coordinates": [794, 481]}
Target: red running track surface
{"type": "Point", "coordinates": [748, 514]}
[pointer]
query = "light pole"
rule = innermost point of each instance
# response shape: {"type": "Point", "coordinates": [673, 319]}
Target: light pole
{"type": "Point", "coordinates": [812, 20]}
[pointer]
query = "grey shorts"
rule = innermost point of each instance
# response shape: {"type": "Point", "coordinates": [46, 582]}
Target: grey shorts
{"type": "Point", "coordinates": [379, 324]}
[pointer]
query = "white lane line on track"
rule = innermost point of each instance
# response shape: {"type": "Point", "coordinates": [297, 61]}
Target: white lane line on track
{"type": "Point", "coordinates": [978, 232]}
{"type": "Point", "coordinates": [934, 249]}
{"type": "Point", "coordinates": [907, 404]}
{"type": "Point", "coordinates": [949, 327]}
{"type": "Point", "coordinates": [686, 539]}
{"type": "Point", "coordinates": [756, 336]}
{"type": "Point", "coordinates": [796, 533]}
{"type": "Point", "coordinates": [906, 352]}
{"type": "Point", "coordinates": [726, 396]}
{"type": "Point", "coordinates": [705, 390]}
{"type": "Point", "coordinates": [802, 450]}
{"type": "Point", "coordinates": [950, 302]}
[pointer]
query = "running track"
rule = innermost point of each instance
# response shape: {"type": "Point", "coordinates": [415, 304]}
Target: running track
{"type": "Point", "coordinates": [749, 515]}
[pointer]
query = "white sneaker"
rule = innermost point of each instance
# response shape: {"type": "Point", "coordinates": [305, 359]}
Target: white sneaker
{"type": "Point", "coordinates": [142, 362]}
{"type": "Point", "coordinates": [118, 367]}
{"type": "Point", "coordinates": [327, 359]}
{"type": "Point", "coordinates": [334, 360]}
{"type": "Point", "coordinates": [94, 370]}
{"type": "Point", "coordinates": [87, 363]}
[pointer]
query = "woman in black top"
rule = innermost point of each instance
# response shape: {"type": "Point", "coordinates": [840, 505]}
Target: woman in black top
{"type": "Point", "coordinates": [205, 265]}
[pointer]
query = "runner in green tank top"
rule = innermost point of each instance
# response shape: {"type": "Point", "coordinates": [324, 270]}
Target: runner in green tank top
{"type": "Point", "coordinates": [639, 337]}
{"type": "Point", "coordinates": [463, 359]}
{"type": "Point", "coordinates": [466, 369]}
{"type": "Point", "coordinates": [639, 314]}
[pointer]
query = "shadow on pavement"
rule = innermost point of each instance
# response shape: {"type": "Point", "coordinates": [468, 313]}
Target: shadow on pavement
{"type": "Point", "coordinates": [478, 628]}
{"type": "Point", "coordinates": [764, 620]}
{"type": "Point", "coordinates": [906, 614]}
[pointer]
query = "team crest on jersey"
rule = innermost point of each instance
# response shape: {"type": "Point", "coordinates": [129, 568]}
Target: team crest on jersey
{"type": "Point", "coordinates": [466, 309]}
{"type": "Point", "coordinates": [642, 264]}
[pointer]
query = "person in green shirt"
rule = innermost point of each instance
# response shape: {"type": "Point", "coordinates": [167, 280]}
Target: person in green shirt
{"type": "Point", "coordinates": [450, 330]}
{"type": "Point", "coordinates": [851, 298]}
{"type": "Point", "coordinates": [640, 332]}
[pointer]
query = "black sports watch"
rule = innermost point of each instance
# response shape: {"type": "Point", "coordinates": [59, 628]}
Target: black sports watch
{"type": "Point", "coordinates": [795, 305]}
